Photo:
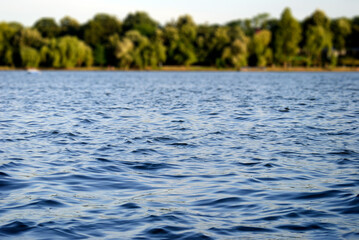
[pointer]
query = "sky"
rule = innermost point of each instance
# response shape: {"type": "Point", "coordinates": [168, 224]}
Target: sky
{"type": "Point", "coordinates": [203, 11]}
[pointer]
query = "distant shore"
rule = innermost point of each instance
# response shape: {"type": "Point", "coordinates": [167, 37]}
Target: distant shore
{"type": "Point", "coordinates": [201, 68]}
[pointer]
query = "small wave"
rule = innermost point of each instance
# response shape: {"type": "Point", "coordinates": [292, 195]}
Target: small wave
{"type": "Point", "coordinates": [301, 228]}
{"type": "Point", "coordinates": [242, 118]}
{"type": "Point", "coordinates": [223, 202]}
{"type": "Point", "coordinates": [159, 231]}
{"type": "Point", "coordinates": [306, 195]}
{"type": "Point", "coordinates": [130, 206]}
{"type": "Point", "coordinates": [178, 121]}
{"type": "Point", "coordinates": [105, 148]}
{"type": "Point", "coordinates": [10, 165]}
{"type": "Point", "coordinates": [273, 179]}
{"type": "Point", "coordinates": [3, 174]}
{"type": "Point", "coordinates": [144, 151]}
{"type": "Point", "coordinates": [87, 121]}
{"type": "Point", "coordinates": [247, 164]}
{"type": "Point", "coordinates": [316, 195]}
{"type": "Point", "coordinates": [128, 116]}
{"type": "Point", "coordinates": [182, 144]}
{"type": "Point", "coordinates": [42, 203]}
{"type": "Point", "coordinates": [345, 152]}
{"type": "Point", "coordinates": [166, 233]}
{"type": "Point", "coordinates": [351, 206]}
{"type": "Point", "coordinates": [15, 159]}
{"type": "Point", "coordinates": [236, 229]}
{"type": "Point", "coordinates": [164, 139]}
{"type": "Point", "coordinates": [103, 159]}
{"type": "Point", "coordinates": [147, 165]}
{"type": "Point", "coordinates": [15, 228]}
{"type": "Point", "coordinates": [10, 184]}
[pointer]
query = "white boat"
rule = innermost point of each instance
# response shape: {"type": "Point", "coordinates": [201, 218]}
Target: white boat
{"type": "Point", "coordinates": [33, 71]}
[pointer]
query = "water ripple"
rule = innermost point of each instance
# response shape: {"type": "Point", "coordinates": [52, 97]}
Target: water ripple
{"type": "Point", "coordinates": [161, 155]}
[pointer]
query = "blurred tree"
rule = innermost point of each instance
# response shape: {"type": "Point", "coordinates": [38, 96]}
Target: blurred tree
{"type": "Point", "coordinates": [123, 51]}
{"type": "Point", "coordinates": [30, 57]}
{"type": "Point", "coordinates": [180, 39]}
{"type": "Point", "coordinates": [141, 22]}
{"type": "Point", "coordinates": [236, 54]}
{"type": "Point", "coordinates": [100, 28]}
{"type": "Point", "coordinates": [144, 43]}
{"type": "Point", "coordinates": [287, 38]}
{"type": "Point", "coordinates": [16, 26]}
{"type": "Point", "coordinates": [203, 44]}
{"type": "Point", "coordinates": [352, 43]}
{"type": "Point", "coordinates": [353, 38]}
{"type": "Point", "coordinates": [318, 39]}
{"type": "Point", "coordinates": [260, 21]}
{"type": "Point", "coordinates": [318, 18]}
{"type": "Point", "coordinates": [100, 55]}
{"type": "Point", "coordinates": [187, 28]}
{"type": "Point", "coordinates": [69, 26]}
{"type": "Point", "coordinates": [222, 46]}
{"type": "Point", "coordinates": [245, 25]}
{"type": "Point", "coordinates": [67, 52]}
{"type": "Point", "coordinates": [341, 28]}
{"type": "Point", "coordinates": [139, 43]}
{"type": "Point", "coordinates": [260, 53]}
{"type": "Point", "coordinates": [219, 42]}
{"type": "Point", "coordinates": [171, 40]}
{"type": "Point", "coordinates": [50, 54]}
{"type": "Point", "coordinates": [155, 52]}
{"type": "Point", "coordinates": [250, 26]}
{"type": "Point", "coordinates": [136, 51]}
{"type": "Point", "coordinates": [31, 38]}
{"type": "Point", "coordinates": [318, 45]}
{"type": "Point", "coordinates": [47, 27]}
{"type": "Point", "coordinates": [8, 34]}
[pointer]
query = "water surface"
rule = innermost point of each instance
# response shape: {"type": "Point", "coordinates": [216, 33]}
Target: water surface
{"type": "Point", "coordinates": [167, 155]}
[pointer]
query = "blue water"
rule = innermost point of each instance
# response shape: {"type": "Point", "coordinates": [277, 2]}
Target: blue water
{"type": "Point", "coordinates": [167, 155]}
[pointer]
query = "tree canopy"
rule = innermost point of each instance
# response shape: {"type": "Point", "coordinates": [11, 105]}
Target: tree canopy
{"type": "Point", "coordinates": [140, 42]}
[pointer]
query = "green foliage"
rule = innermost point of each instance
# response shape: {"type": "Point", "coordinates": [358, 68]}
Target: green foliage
{"type": "Point", "coordinates": [341, 29]}
{"type": "Point", "coordinates": [318, 18]}
{"type": "Point", "coordinates": [141, 22]}
{"type": "Point", "coordinates": [287, 38]}
{"type": "Point", "coordinates": [187, 28]}
{"type": "Point", "coordinates": [136, 51]}
{"type": "Point", "coordinates": [8, 34]}
{"type": "Point", "coordinates": [259, 48]}
{"type": "Point", "coordinates": [260, 21]}
{"type": "Point", "coordinates": [66, 52]}
{"type": "Point", "coordinates": [180, 39]}
{"type": "Point", "coordinates": [155, 52]}
{"type": "Point", "coordinates": [142, 43]}
{"type": "Point", "coordinates": [236, 54]}
{"type": "Point", "coordinates": [74, 53]}
{"type": "Point", "coordinates": [100, 55]}
{"type": "Point", "coordinates": [69, 26]}
{"type": "Point", "coordinates": [47, 27]}
{"type": "Point", "coordinates": [31, 38]}
{"type": "Point", "coordinates": [100, 28]}
{"type": "Point", "coordinates": [50, 54]}
{"type": "Point", "coordinates": [123, 51]}
{"type": "Point", "coordinates": [250, 26]}
{"type": "Point", "coordinates": [318, 41]}
{"type": "Point", "coordinates": [352, 40]}
{"type": "Point", "coordinates": [30, 57]}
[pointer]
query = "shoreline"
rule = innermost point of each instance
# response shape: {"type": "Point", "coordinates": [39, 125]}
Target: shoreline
{"type": "Point", "coordinates": [196, 69]}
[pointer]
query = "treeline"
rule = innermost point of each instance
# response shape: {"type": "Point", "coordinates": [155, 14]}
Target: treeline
{"type": "Point", "coordinates": [140, 42]}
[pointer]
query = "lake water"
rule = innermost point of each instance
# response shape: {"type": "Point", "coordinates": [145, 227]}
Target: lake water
{"type": "Point", "coordinates": [172, 155]}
